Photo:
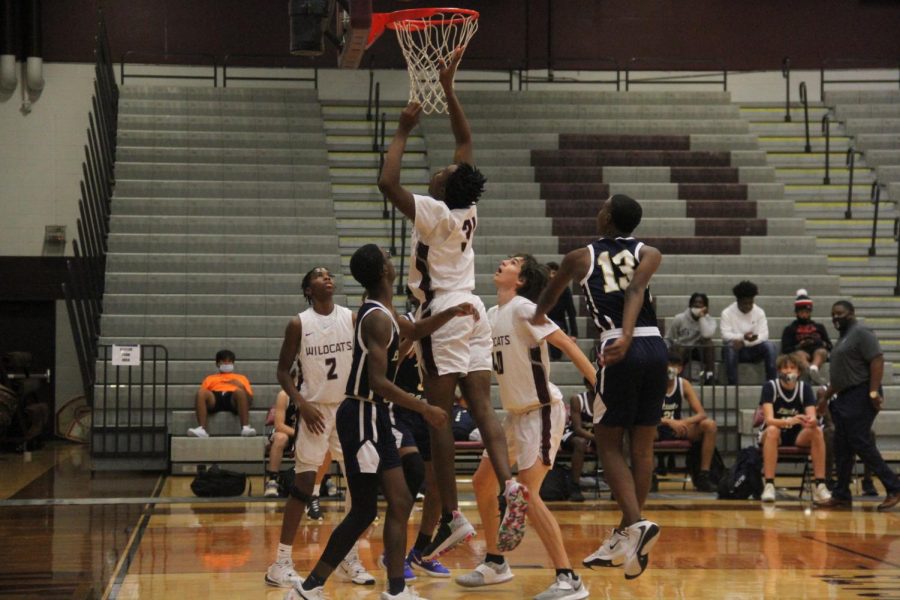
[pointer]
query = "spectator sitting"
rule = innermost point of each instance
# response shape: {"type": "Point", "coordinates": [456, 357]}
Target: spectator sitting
{"type": "Point", "coordinates": [282, 440]}
{"type": "Point", "coordinates": [697, 427]}
{"type": "Point", "coordinates": [226, 390]}
{"type": "Point", "coordinates": [745, 333]}
{"type": "Point", "coordinates": [690, 334]}
{"type": "Point", "coordinates": [807, 336]}
{"type": "Point", "coordinates": [578, 436]}
{"type": "Point", "coordinates": [789, 411]}
{"type": "Point", "coordinates": [563, 314]}
{"type": "Point", "coordinates": [464, 429]}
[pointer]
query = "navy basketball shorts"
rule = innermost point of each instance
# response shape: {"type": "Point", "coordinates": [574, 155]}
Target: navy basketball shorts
{"type": "Point", "coordinates": [414, 431]}
{"type": "Point", "coordinates": [633, 389]}
{"type": "Point", "coordinates": [364, 430]}
{"type": "Point", "coordinates": [224, 402]}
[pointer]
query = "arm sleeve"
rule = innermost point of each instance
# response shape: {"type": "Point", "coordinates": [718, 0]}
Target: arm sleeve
{"type": "Point", "coordinates": [524, 312]}
{"type": "Point", "coordinates": [707, 327]}
{"type": "Point", "coordinates": [869, 347]}
{"type": "Point", "coordinates": [432, 217]}
{"type": "Point", "coordinates": [787, 339]}
{"type": "Point", "coordinates": [824, 333]}
{"type": "Point", "coordinates": [570, 312]}
{"type": "Point", "coordinates": [727, 327]}
{"type": "Point", "coordinates": [768, 393]}
{"type": "Point", "coordinates": [763, 327]}
{"type": "Point", "coordinates": [247, 385]}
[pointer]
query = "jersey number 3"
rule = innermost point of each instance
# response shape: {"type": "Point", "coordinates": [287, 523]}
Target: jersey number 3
{"type": "Point", "coordinates": [624, 262]}
{"type": "Point", "coordinates": [468, 228]}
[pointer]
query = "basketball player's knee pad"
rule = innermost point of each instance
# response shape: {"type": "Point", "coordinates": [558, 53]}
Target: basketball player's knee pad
{"type": "Point", "coordinates": [300, 494]}
{"type": "Point", "coordinates": [414, 472]}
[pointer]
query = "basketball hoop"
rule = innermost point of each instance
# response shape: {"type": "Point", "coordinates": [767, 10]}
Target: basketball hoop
{"type": "Point", "coordinates": [427, 36]}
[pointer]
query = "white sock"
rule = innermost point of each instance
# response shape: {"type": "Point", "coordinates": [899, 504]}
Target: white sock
{"type": "Point", "coordinates": [316, 490]}
{"type": "Point", "coordinates": [813, 368]}
{"type": "Point", "coordinates": [284, 554]}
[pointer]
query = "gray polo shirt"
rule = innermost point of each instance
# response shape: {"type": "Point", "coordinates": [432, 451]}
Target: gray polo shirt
{"type": "Point", "coordinates": [851, 355]}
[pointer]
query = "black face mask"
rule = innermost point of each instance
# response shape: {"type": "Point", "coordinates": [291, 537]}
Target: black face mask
{"type": "Point", "coordinates": [840, 323]}
{"type": "Point", "coordinates": [803, 321]}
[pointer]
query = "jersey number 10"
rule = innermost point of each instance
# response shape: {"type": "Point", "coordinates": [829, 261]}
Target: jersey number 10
{"type": "Point", "coordinates": [624, 262]}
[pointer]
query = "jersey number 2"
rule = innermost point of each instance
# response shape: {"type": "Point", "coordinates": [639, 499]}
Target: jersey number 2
{"type": "Point", "coordinates": [332, 367]}
{"type": "Point", "coordinates": [624, 261]}
{"type": "Point", "coordinates": [498, 362]}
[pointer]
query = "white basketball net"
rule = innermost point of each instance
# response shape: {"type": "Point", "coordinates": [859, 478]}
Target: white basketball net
{"type": "Point", "coordinates": [426, 40]}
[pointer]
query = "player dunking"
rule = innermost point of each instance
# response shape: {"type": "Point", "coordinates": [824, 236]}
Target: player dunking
{"type": "Point", "coordinates": [614, 271]}
{"type": "Point", "coordinates": [320, 340]}
{"type": "Point", "coordinates": [535, 419]}
{"type": "Point", "coordinates": [442, 273]}
{"type": "Point", "coordinates": [364, 427]}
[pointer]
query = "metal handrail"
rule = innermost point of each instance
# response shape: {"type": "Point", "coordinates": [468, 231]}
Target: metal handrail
{"type": "Point", "coordinates": [378, 115]}
{"type": "Point", "coordinates": [659, 63]}
{"type": "Point", "coordinates": [552, 77]}
{"type": "Point", "coordinates": [875, 198]}
{"type": "Point", "coordinates": [850, 162]}
{"type": "Point", "coordinates": [369, 102]}
{"type": "Point", "coordinates": [805, 100]}
{"type": "Point", "coordinates": [854, 63]}
{"type": "Point", "coordinates": [826, 129]}
{"type": "Point", "coordinates": [130, 53]}
{"type": "Point", "coordinates": [786, 73]}
{"type": "Point", "coordinates": [897, 239]}
{"type": "Point", "coordinates": [314, 79]}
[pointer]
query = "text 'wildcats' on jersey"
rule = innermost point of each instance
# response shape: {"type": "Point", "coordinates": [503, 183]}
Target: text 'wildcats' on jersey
{"type": "Point", "coordinates": [325, 354]}
{"type": "Point", "coordinates": [613, 262]}
{"type": "Point", "coordinates": [358, 382]}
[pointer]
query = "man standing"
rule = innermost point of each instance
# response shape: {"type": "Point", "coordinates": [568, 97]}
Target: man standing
{"type": "Point", "coordinates": [614, 271]}
{"type": "Point", "coordinates": [857, 366]}
{"type": "Point", "coordinates": [442, 274]}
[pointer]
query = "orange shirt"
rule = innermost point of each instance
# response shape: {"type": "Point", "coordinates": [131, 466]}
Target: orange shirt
{"type": "Point", "coordinates": [219, 383]}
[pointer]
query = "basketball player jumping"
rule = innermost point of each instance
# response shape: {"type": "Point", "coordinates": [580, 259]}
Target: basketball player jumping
{"type": "Point", "coordinates": [442, 273]}
{"type": "Point", "coordinates": [614, 271]}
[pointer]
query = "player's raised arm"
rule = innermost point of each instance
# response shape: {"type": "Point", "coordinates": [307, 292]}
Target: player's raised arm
{"type": "Point", "coordinates": [389, 182]}
{"type": "Point", "coordinates": [458, 122]}
{"type": "Point", "coordinates": [574, 266]}
{"type": "Point", "coordinates": [428, 325]}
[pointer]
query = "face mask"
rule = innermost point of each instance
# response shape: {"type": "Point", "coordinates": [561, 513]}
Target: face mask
{"type": "Point", "coordinates": [788, 377]}
{"type": "Point", "coordinates": [226, 368]}
{"type": "Point", "coordinates": [840, 324]}
{"type": "Point", "coordinates": [672, 373]}
{"type": "Point", "coordinates": [696, 312]}
{"type": "Point", "coordinates": [803, 321]}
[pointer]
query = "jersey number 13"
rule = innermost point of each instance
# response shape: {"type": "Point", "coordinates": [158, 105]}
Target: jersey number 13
{"type": "Point", "coordinates": [624, 262]}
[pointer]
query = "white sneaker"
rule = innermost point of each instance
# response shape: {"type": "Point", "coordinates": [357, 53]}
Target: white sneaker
{"type": "Point", "coordinates": [298, 593]}
{"type": "Point", "coordinates": [566, 587]}
{"type": "Point", "coordinates": [487, 573]}
{"type": "Point", "coordinates": [816, 376]}
{"type": "Point", "coordinates": [642, 536]}
{"type": "Point", "coordinates": [768, 494]}
{"type": "Point", "coordinates": [197, 432]}
{"type": "Point", "coordinates": [282, 575]}
{"type": "Point", "coordinates": [448, 535]}
{"type": "Point", "coordinates": [351, 569]}
{"type": "Point", "coordinates": [271, 489]}
{"type": "Point", "coordinates": [821, 494]}
{"type": "Point", "coordinates": [611, 552]}
{"type": "Point", "coordinates": [407, 594]}
{"type": "Point", "coordinates": [247, 431]}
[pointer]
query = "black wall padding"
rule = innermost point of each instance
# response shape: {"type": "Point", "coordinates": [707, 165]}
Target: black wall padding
{"type": "Point", "coordinates": [9, 23]}
{"type": "Point", "coordinates": [32, 28]}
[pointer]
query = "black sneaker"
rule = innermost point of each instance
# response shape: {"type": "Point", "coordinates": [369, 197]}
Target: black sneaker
{"type": "Point", "coordinates": [575, 494]}
{"type": "Point", "coordinates": [654, 483]}
{"type": "Point", "coordinates": [702, 483]}
{"type": "Point", "coordinates": [868, 488]}
{"type": "Point", "coordinates": [314, 511]}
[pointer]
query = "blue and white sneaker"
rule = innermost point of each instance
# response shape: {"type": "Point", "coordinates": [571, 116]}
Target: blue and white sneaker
{"type": "Point", "coordinates": [432, 568]}
{"type": "Point", "coordinates": [408, 574]}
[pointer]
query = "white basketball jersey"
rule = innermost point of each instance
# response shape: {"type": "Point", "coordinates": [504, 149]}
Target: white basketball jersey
{"type": "Point", "coordinates": [521, 362]}
{"type": "Point", "coordinates": [326, 354]}
{"type": "Point", "coordinates": [442, 257]}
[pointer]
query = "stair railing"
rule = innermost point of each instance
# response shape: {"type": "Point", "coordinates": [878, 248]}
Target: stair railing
{"type": "Point", "coordinates": [850, 162]}
{"type": "Point", "coordinates": [804, 100]}
{"type": "Point", "coordinates": [875, 198]}
{"type": "Point", "coordinates": [897, 239]}
{"type": "Point", "coordinates": [786, 73]}
{"type": "Point", "coordinates": [826, 129]}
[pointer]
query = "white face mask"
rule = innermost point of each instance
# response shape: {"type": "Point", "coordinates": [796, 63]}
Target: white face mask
{"type": "Point", "coordinates": [788, 377]}
{"type": "Point", "coordinates": [696, 311]}
{"type": "Point", "coordinates": [226, 368]}
{"type": "Point", "coordinates": [672, 373]}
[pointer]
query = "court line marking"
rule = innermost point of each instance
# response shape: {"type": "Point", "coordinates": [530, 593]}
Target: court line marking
{"type": "Point", "coordinates": [118, 576]}
{"type": "Point", "coordinates": [850, 551]}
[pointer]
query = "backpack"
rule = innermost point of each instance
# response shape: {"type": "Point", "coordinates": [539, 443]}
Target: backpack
{"type": "Point", "coordinates": [716, 467]}
{"type": "Point", "coordinates": [214, 482]}
{"type": "Point", "coordinates": [744, 479]}
{"type": "Point", "coordinates": [556, 484]}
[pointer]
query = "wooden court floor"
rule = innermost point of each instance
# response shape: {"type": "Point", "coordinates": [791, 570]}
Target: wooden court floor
{"type": "Point", "coordinates": [66, 534]}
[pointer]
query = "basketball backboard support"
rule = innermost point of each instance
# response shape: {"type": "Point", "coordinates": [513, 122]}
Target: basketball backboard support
{"type": "Point", "coordinates": [345, 24]}
{"type": "Point", "coordinates": [352, 21]}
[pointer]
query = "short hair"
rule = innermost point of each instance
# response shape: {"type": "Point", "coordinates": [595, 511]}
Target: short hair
{"type": "Point", "coordinates": [700, 295]}
{"type": "Point", "coordinates": [798, 359]}
{"type": "Point", "coordinates": [307, 281]}
{"type": "Point", "coordinates": [464, 186]}
{"type": "Point", "coordinates": [553, 265]}
{"type": "Point", "coordinates": [675, 358]}
{"type": "Point", "coordinates": [846, 304]}
{"type": "Point", "coordinates": [535, 275]}
{"type": "Point", "coordinates": [367, 266]}
{"type": "Point", "coordinates": [626, 212]}
{"type": "Point", "coordinates": [223, 355]}
{"type": "Point", "coordinates": [745, 289]}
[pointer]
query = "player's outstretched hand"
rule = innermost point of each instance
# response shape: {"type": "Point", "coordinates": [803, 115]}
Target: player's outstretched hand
{"type": "Point", "coordinates": [614, 352]}
{"type": "Point", "coordinates": [446, 72]}
{"type": "Point", "coordinates": [465, 308]}
{"type": "Point", "coordinates": [409, 117]}
{"type": "Point", "coordinates": [435, 416]}
{"type": "Point", "coordinates": [314, 420]}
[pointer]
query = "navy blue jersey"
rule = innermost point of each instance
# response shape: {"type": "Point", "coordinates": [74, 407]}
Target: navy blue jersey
{"type": "Point", "coordinates": [613, 262]}
{"type": "Point", "coordinates": [672, 403]}
{"type": "Point", "coordinates": [358, 382]}
{"type": "Point", "coordinates": [787, 403]}
{"type": "Point", "coordinates": [586, 401]}
{"type": "Point", "coordinates": [407, 375]}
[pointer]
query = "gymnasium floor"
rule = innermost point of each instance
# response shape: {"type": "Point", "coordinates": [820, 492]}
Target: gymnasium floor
{"type": "Point", "coordinates": [66, 534]}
